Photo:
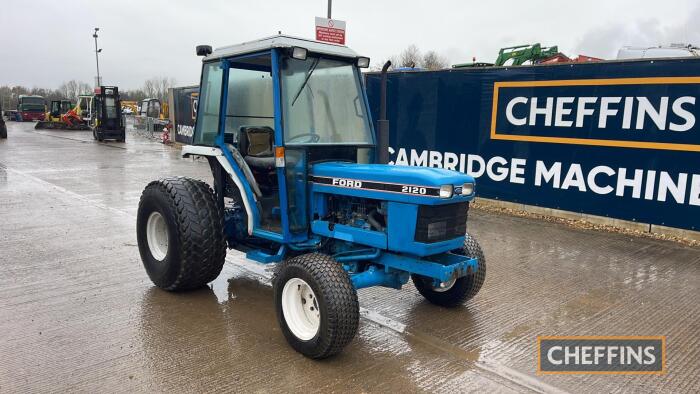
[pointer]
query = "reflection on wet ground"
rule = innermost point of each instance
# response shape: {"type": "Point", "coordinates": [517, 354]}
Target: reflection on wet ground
{"type": "Point", "coordinates": [78, 313]}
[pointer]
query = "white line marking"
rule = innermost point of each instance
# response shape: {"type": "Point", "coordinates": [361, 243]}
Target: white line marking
{"type": "Point", "coordinates": [519, 378]}
{"type": "Point", "coordinates": [70, 193]}
{"type": "Point", "coordinates": [382, 320]}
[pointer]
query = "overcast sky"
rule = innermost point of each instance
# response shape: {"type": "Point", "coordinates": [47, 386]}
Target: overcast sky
{"type": "Point", "coordinates": [43, 43]}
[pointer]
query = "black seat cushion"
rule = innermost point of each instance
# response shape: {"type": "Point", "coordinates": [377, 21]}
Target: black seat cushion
{"type": "Point", "coordinates": [260, 164]}
{"type": "Point", "coordinates": [256, 146]}
{"type": "Point", "coordinates": [256, 141]}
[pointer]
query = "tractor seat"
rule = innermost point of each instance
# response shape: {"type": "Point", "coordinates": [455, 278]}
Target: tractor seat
{"type": "Point", "coordinates": [256, 147]}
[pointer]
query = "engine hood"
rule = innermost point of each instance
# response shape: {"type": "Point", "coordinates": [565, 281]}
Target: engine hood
{"type": "Point", "coordinates": [384, 178]}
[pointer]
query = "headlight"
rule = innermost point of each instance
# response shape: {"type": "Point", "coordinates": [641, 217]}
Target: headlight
{"type": "Point", "coordinates": [445, 191]}
{"type": "Point", "coordinates": [467, 189]}
{"type": "Point", "coordinates": [299, 53]}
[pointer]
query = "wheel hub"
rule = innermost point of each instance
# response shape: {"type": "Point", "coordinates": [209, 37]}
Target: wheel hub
{"type": "Point", "coordinates": [444, 286]}
{"type": "Point", "coordinates": [300, 309]}
{"type": "Point", "coordinates": [157, 236]}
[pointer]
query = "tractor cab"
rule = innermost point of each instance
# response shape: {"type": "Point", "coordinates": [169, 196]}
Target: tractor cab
{"type": "Point", "coordinates": [274, 106]}
{"type": "Point", "coordinates": [291, 126]}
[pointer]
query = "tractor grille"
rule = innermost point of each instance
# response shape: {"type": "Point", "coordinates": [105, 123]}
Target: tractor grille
{"type": "Point", "coordinates": [441, 222]}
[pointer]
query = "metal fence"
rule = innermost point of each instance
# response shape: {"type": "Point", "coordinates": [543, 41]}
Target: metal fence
{"type": "Point", "coordinates": [145, 125]}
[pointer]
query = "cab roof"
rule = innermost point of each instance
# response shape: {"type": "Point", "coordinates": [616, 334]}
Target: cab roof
{"type": "Point", "coordinates": [281, 41]}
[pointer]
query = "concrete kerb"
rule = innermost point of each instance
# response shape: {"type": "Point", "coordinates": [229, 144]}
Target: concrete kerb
{"type": "Point", "coordinates": [594, 222]}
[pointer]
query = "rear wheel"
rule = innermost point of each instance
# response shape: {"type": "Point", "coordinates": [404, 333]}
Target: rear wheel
{"type": "Point", "coordinates": [459, 290]}
{"type": "Point", "coordinates": [316, 305]}
{"type": "Point", "coordinates": [180, 234]}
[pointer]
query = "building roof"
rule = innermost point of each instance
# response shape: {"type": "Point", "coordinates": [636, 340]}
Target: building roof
{"type": "Point", "coordinates": [281, 41]}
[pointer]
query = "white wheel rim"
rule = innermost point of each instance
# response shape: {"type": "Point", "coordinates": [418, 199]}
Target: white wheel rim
{"type": "Point", "coordinates": [444, 286]}
{"type": "Point", "coordinates": [157, 236]}
{"type": "Point", "coordinates": [300, 309]}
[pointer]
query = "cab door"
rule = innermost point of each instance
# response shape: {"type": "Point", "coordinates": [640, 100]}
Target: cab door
{"type": "Point", "coordinates": [249, 126]}
{"type": "Point", "coordinates": [55, 109]}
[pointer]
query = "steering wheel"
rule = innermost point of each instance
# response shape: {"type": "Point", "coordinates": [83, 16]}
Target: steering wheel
{"type": "Point", "coordinates": [311, 136]}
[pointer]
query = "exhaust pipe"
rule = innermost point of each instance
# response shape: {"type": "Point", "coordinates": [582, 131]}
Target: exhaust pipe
{"type": "Point", "coordinates": [383, 122]}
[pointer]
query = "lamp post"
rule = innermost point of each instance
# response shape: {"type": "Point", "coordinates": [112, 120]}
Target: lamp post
{"type": "Point", "coordinates": [98, 82]}
{"type": "Point", "coordinates": [330, 6]}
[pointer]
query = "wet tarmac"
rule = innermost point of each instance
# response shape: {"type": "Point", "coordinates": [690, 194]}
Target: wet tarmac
{"type": "Point", "coordinates": [78, 313]}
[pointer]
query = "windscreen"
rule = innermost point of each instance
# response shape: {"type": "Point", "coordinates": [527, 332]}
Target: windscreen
{"type": "Point", "coordinates": [323, 103]}
{"type": "Point", "coordinates": [33, 100]}
{"type": "Point", "coordinates": [32, 104]}
{"type": "Point", "coordinates": [66, 106]}
{"type": "Point", "coordinates": [110, 107]}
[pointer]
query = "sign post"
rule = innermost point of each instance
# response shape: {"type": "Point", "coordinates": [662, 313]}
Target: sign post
{"type": "Point", "coordinates": [330, 30]}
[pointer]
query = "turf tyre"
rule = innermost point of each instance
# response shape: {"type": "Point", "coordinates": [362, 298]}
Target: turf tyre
{"type": "Point", "coordinates": [196, 247]}
{"type": "Point", "coordinates": [464, 288]}
{"type": "Point", "coordinates": [336, 300]}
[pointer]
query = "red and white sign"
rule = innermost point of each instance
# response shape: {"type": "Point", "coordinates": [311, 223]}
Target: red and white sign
{"type": "Point", "coordinates": [330, 30]}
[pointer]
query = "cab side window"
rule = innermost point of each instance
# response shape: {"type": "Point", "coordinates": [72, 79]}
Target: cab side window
{"type": "Point", "coordinates": [207, 123]}
{"type": "Point", "coordinates": [249, 100]}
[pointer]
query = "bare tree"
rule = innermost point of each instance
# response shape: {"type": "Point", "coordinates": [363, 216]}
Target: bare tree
{"type": "Point", "coordinates": [164, 84]}
{"type": "Point", "coordinates": [68, 89]}
{"type": "Point", "coordinates": [72, 89]}
{"type": "Point", "coordinates": [410, 57]}
{"type": "Point", "coordinates": [133, 95]}
{"type": "Point", "coordinates": [433, 61]}
{"type": "Point", "coordinates": [157, 87]}
{"type": "Point", "coordinates": [150, 87]}
{"type": "Point", "coordinates": [84, 88]}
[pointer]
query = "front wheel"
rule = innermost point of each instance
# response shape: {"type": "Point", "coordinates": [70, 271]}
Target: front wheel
{"type": "Point", "coordinates": [180, 233]}
{"type": "Point", "coordinates": [316, 304]}
{"type": "Point", "coordinates": [456, 291]}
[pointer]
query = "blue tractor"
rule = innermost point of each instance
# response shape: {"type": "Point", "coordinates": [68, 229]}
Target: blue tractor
{"type": "Point", "coordinates": [285, 126]}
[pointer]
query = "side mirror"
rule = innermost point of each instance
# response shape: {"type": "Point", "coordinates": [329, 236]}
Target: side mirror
{"type": "Point", "coordinates": [204, 50]}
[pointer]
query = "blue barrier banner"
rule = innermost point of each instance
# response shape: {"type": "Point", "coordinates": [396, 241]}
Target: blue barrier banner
{"type": "Point", "coordinates": [615, 139]}
{"type": "Point", "coordinates": [185, 101]}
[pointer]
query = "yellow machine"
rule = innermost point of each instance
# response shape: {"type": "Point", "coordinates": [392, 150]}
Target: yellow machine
{"type": "Point", "coordinates": [85, 106]}
{"type": "Point", "coordinates": [130, 107]}
{"type": "Point", "coordinates": [56, 109]}
{"type": "Point", "coordinates": [53, 118]}
{"type": "Point", "coordinates": [153, 108]}
{"type": "Point", "coordinates": [63, 115]}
